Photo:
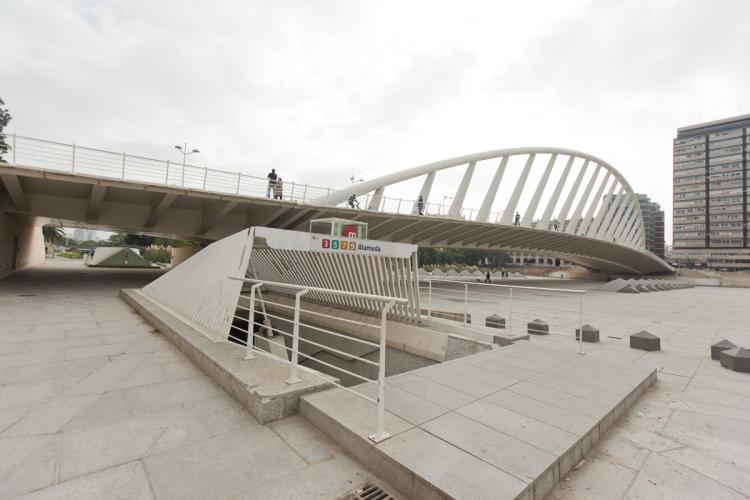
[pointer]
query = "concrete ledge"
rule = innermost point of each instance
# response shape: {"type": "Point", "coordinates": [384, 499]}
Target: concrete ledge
{"type": "Point", "coordinates": [427, 460]}
{"type": "Point", "coordinates": [257, 384]}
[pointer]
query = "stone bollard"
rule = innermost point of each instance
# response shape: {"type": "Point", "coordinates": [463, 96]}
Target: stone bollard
{"type": "Point", "coordinates": [722, 345]}
{"type": "Point", "coordinates": [590, 334]}
{"type": "Point", "coordinates": [538, 327]}
{"type": "Point", "coordinates": [645, 341]}
{"type": "Point", "coordinates": [495, 321]}
{"type": "Point", "coordinates": [736, 359]}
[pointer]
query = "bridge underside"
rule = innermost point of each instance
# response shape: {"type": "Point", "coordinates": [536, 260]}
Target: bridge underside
{"type": "Point", "coordinates": [28, 193]}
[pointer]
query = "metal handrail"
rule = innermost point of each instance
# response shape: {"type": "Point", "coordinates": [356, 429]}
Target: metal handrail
{"type": "Point", "coordinates": [579, 293]}
{"type": "Point", "coordinates": [388, 303]}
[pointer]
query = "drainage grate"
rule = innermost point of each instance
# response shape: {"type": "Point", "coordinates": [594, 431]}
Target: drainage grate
{"type": "Point", "coordinates": [369, 491]}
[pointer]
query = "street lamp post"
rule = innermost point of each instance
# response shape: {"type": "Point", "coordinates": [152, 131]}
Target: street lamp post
{"type": "Point", "coordinates": [442, 204]}
{"type": "Point", "coordinates": [184, 150]}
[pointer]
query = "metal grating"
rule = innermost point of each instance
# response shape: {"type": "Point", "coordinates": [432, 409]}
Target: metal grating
{"type": "Point", "coordinates": [369, 491]}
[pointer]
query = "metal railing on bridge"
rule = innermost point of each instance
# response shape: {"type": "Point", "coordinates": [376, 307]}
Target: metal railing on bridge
{"type": "Point", "coordinates": [62, 157]}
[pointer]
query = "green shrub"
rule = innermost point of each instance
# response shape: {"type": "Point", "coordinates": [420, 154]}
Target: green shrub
{"type": "Point", "coordinates": [162, 256]}
{"type": "Point", "coordinates": [69, 255]}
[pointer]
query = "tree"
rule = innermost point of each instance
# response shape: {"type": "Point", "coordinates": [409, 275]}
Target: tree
{"type": "Point", "coordinates": [139, 240]}
{"type": "Point", "coordinates": [53, 234]}
{"type": "Point", "coordinates": [4, 119]}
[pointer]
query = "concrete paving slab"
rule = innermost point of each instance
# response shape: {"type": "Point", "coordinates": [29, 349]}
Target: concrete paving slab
{"type": "Point", "coordinates": [661, 477]}
{"type": "Point", "coordinates": [598, 479]}
{"type": "Point", "coordinates": [545, 437]}
{"type": "Point", "coordinates": [124, 481]}
{"type": "Point", "coordinates": [431, 391]}
{"type": "Point", "coordinates": [28, 463]}
{"type": "Point", "coordinates": [409, 406]}
{"type": "Point", "coordinates": [472, 380]}
{"type": "Point", "coordinates": [240, 459]}
{"type": "Point", "coordinates": [542, 411]}
{"type": "Point", "coordinates": [440, 466]}
{"type": "Point", "coordinates": [516, 457]}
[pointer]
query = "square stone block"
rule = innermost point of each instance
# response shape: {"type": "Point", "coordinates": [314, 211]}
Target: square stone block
{"type": "Point", "coordinates": [495, 321]}
{"type": "Point", "coordinates": [590, 334]}
{"type": "Point", "coordinates": [736, 359]}
{"type": "Point", "coordinates": [538, 327]}
{"type": "Point", "coordinates": [645, 341]}
{"type": "Point", "coordinates": [722, 345]}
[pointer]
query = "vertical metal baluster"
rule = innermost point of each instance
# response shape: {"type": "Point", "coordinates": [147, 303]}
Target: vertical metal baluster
{"type": "Point", "coordinates": [580, 325]}
{"type": "Point", "coordinates": [466, 303]}
{"type": "Point", "coordinates": [429, 300]}
{"type": "Point", "coordinates": [510, 313]}
{"type": "Point", "coordinates": [294, 377]}
{"type": "Point", "coordinates": [380, 433]}
{"type": "Point", "coordinates": [251, 324]}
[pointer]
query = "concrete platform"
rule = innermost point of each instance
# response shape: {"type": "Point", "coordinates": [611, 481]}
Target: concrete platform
{"type": "Point", "coordinates": [256, 384]}
{"type": "Point", "coordinates": [507, 423]}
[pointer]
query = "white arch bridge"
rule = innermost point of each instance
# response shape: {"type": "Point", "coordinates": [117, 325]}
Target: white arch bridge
{"type": "Point", "coordinates": [549, 201]}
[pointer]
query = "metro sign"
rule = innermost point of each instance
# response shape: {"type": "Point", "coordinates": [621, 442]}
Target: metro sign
{"type": "Point", "coordinates": [338, 244]}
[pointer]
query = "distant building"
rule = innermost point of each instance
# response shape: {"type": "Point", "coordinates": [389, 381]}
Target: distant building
{"type": "Point", "coordinates": [81, 235]}
{"type": "Point", "coordinates": [710, 197]}
{"type": "Point", "coordinates": [653, 220]}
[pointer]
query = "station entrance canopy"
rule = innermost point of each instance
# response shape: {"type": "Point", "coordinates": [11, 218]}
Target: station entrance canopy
{"type": "Point", "coordinates": [200, 289]}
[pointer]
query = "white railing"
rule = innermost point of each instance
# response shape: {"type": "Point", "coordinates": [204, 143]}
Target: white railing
{"type": "Point", "coordinates": [254, 299]}
{"type": "Point", "coordinates": [561, 309]}
{"type": "Point", "coordinates": [73, 158]}
{"type": "Point", "coordinates": [61, 157]}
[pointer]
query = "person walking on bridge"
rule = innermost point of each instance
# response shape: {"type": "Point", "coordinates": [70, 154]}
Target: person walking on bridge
{"type": "Point", "coordinates": [279, 189]}
{"type": "Point", "coordinates": [487, 278]}
{"type": "Point", "coordinates": [271, 190]}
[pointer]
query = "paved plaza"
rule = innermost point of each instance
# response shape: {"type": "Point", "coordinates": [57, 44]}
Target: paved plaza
{"type": "Point", "coordinates": [94, 404]}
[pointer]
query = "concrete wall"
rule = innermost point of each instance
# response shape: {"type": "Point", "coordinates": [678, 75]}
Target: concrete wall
{"type": "Point", "coordinates": [26, 238]}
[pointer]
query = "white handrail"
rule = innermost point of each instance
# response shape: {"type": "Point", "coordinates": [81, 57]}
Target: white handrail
{"type": "Point", "coordinates": [330, 291]}
{"type": "Point", "coordinates": [566, 290]}
{"type": "Point", "coordinates": [300, 290]}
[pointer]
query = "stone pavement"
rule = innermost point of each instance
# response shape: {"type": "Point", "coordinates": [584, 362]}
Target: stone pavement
{"type": "Point", "coordinates": [688, 437]}
{"type": "Point", "coordinates": [94, 404]}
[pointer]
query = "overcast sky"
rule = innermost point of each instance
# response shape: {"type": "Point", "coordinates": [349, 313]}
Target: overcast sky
{"type": "Point", "coordinates": [322, 90]}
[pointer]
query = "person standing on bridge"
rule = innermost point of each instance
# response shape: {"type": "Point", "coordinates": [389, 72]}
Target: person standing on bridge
{"type": "Point", "coordinates": [279, 189]}
{"type": "Point", "coordinates": [420, 205]}
{"type": "Point", "coordinates": [517, 219]}
{"type": "Point", "coordinates": [271, 191]}
{"type": "Point", "coordinates": [487, 278]}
